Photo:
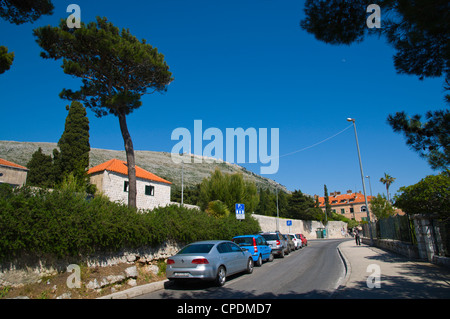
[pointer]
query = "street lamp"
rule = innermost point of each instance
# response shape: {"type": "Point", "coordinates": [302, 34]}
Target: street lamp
{"type": "Point", "coordinates": [362, 179]}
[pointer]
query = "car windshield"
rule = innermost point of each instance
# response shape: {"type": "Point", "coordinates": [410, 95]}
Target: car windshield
{"type": "Point", "coordinates": [244, 241]}
{"type": "Point", "coordinates": [270, 236]}
{"type": "Point", "coordinates": [196, 249]}
{"type": "Point", "coordinates": [292, 236]}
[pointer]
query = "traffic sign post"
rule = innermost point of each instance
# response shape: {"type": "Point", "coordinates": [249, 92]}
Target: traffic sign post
{"type": "Point", "coordinates": [240, 211]}
{"type": "Point", "coordinates": [289, 223]}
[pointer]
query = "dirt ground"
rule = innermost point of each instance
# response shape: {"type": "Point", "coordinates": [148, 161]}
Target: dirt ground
{"type": "Point", "coordinates": [51, 287]}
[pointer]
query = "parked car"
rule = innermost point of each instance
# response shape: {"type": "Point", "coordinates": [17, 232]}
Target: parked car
{"type": "Point", "coordinates": [291, 245]}
{"type": "Point", "coordinates": [277, 243]}
{"type": "Point", "coordinates": [257, 246]}
{"type": "Point", "coordinates": [297, 241]}
{"type": "Point", "coordinates": [304, 240]}
{"type": "Point", "coordinates": [209, 260]}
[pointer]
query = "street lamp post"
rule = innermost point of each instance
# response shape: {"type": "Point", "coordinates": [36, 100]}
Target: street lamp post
{"type": "Point", "coordinates": [370, 185]}
{"type": "Point", "coordinates": [362, 179]}
{"type": "Point", "coordinates": [278, 215]}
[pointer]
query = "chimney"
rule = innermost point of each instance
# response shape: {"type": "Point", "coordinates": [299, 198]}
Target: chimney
{"type": "Point", "coordinates": [349, 191]}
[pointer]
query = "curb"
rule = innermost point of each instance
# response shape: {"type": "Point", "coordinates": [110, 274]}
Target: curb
{"type": "Point", "coordinates": [137, 291]}
{"type": "Point", "coordinates": [348, 271]}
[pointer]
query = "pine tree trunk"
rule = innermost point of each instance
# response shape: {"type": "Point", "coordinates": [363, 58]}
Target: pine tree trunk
{"type": "Point", "coordinates": [129, 150]}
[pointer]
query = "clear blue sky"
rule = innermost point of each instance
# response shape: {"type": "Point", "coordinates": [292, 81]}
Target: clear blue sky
{"type": "Point", "coordinates": [243, 63]}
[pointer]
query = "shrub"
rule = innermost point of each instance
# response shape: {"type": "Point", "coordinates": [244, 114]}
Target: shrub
{"type": "Point", "coordinates": [63, 223]}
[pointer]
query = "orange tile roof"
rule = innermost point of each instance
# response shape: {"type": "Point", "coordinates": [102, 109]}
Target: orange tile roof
{"type": "Point", "coordinates": [11, 164]}
{"type": "Point", "coordinates": [358, 199]}
{"type": "Point", "coordinates": [118, 166]}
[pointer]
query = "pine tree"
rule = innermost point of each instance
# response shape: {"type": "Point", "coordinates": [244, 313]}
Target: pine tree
{"type": "Point", "coordinates": [116, 69]}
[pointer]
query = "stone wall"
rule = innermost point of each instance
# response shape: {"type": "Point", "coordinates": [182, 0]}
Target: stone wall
{"type": "Point", "coordinates": [405, 249]}
{"type": "Point", "coordinates": [29, 269]}
{"type": "Point", "coordinates": [308, 228]}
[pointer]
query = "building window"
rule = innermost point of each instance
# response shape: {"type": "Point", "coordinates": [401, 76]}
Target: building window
{"type": "Point", "coordinates": [352, 210]}
{"type": "Point", "coordinates": [342, 211]}
{"type": "Point", "coordinates": [149, 190]}
{"type": "Point", "coordinates": [363, 208]}
{"type": "Point", "coordinates": [125, 186]}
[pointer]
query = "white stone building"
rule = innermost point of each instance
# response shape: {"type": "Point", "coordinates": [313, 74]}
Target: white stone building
{"type": "Point", "coordinates": [12, 173]}
{"type": "Point", "coordinates": [111, 178]}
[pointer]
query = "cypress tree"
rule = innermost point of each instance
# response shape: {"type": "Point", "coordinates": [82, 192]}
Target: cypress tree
{"type": "Point", "coordinates": [327, 201]}
{"type": "Point", "coordinates": [74, 144]}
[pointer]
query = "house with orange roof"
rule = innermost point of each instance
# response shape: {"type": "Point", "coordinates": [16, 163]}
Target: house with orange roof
{"type": "Point", "coordinates": [12, 173]}
{"type": "Point", "coordinates": [111, 179]}
{"type": "Point", "coordinates": [350, 205]}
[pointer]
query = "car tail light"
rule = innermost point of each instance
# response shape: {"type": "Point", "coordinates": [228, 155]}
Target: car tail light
{"type": "Point", "coordinates": [254, 245]}
{"type": "Point", "coordinates": [200, 261]}
{"type": "Point", "coordinates": [170, 261]}
{"type": "Point", "coordinates": [278, 242]}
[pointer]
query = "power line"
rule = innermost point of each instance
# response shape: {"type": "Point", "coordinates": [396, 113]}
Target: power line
{"type": "Point", "coordinates": [328, 138]}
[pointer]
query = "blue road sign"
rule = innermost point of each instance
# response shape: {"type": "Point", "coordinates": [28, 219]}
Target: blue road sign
{"type": "Point", "coordinates": [240, 211]}
{"type": "Point", "coordinates": [289, 223]}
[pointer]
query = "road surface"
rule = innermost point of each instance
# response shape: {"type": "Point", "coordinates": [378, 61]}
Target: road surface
{"type": "Point", "coordinates": [311, 272]}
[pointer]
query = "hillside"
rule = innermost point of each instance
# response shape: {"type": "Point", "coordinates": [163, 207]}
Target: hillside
{"type": "Point", "coordinates": [159, 163]}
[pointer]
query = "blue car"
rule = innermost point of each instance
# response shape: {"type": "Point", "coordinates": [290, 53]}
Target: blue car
{"type": "Point", "coordinates": [257, 246]}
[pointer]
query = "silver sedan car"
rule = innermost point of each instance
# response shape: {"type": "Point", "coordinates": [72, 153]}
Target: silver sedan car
{"type": "Point", "coordinates": [209, 260]}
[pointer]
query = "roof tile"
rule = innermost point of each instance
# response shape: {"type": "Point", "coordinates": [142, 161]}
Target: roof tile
{"type": "Point", "coordinates": [118, 166]}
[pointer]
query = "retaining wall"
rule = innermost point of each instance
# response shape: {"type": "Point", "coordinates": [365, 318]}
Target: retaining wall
{"type": "Point", "coordinates": [308, 228]}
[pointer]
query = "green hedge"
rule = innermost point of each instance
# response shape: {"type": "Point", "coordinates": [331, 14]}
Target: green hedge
{"type": "Point", "coordinates": [62, 223]}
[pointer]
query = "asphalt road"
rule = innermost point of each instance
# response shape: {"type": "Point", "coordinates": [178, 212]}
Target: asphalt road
{"type": "Point", "coordinates": [312, 272]}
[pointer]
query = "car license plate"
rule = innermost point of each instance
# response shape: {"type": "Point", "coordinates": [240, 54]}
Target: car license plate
{"type": "Point", "coordinates": [181, 274]}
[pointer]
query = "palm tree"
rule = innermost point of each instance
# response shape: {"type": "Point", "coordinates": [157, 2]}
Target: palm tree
{"type": "Point", "coordinates": [387, 180]}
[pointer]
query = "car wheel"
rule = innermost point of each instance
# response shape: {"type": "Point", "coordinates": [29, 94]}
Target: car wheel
{"type": "Point", "coordinates": [282, 254]}
{"type": "Point", "coordinates": [271, 257]}
{"type": "Point", "coordinates": [259, 261]}
{"type": "Point", "coordinates": [221, 276]}
{"type": "Point", "coordinates": [250, 266]}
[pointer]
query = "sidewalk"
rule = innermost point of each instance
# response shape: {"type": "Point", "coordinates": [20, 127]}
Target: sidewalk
{"type": "Point", "coordinates": [399, 277]}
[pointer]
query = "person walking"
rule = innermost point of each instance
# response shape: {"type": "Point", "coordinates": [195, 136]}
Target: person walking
{"type": "Point", "coordinates": [357, 237]}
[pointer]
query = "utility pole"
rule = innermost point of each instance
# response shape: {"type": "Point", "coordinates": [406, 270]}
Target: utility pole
{"type": "Point", "coordinates": [362, 179]}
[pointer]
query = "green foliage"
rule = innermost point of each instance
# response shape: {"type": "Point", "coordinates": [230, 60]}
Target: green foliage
{"type": "Point", "coordinates": [381, 207]}
{"type": "Point", "coordinates": [267, 203]}
{"type": "Point", "coordinates": [63, 223]}
{"type": "Point", "coordinates": [41, 171]}
{"type": "Point", "coordinates": [190, 194]}
{"type": "Point", "coordinates": [6, 59]}
{"type": "Point", "coordinates": [230, 189]}
{"type": "Point", "coordinates": [116, 68]}
{"type": "Point", "coordinates": [387, 180]}
{"type": "Point", "coordinates": [22, 11]}
{"type": "Point", "coordinates": [302, 207]}
{"type": "Point", "coordinates": [431, 138]}
{"type": "Point", "coordinates": [217, 209]}
{"type": "Point", "coordinates": [327, 201]}
{"type": "Point", "coordinates": [74, 144]}
{"type": "Point", "coordinates": [429, 196]}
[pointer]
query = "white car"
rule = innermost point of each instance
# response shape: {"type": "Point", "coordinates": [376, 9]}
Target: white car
{"type": "Point", "coordinates": [297, 241]}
